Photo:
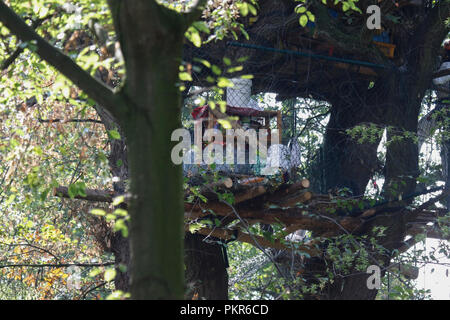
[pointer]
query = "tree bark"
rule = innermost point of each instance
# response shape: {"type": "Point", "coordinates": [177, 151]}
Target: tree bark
{"type": "Point", "coordinates": [396, 99]}
{"type": "Point", "coordinates": [347, 162]}
{"type": "Point", "coordinates": [151, 38]}
{"type": "Point", "coordinates": [206, 273]}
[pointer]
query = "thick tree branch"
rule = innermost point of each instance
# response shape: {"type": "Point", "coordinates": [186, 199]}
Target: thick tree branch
{"type": "Point", "coordinates": [430, 231]}
{"type": "Point", "coordinates": [91, 86]}
{"type": "Point", "coordinates": [91, 194]}
{"type": "Point", "coordinates": [10, 60]}
{"type": "Point", "coordinates": [412, 215]}
{"type": "Point", "coordinates": [428, 36]}
{"type": "Point", "coordinates": [236, 235]}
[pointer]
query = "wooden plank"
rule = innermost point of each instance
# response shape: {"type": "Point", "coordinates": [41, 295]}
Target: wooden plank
{"type": "Point", "coordinates": [279, 126]}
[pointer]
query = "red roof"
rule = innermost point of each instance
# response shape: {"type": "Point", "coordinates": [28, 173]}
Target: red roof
{"type": "Point", "coordinates": [202, 112]}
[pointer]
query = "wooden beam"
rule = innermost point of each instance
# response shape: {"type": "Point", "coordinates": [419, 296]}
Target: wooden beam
{"type": "Point", "coordinates": [252, 193]}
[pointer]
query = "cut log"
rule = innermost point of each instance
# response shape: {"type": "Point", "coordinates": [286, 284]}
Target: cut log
{"type": "Point", "coordinates": [201, 209]}
{"type": "Point", "coordinates": [252, 193]}
{"type": "Point", "coordinates": [284, 190]}
{"type": "Point", "coordinates": [252, 180]}
{"type": "Point", "coordinates": [299, 198]}
{"type": "Point", "coordinates": [210, 190]}
{"type": "Point", "coordinates": [291, 200]}
{"type": "Point", "coordinates": [223, 183]}
{"type": "Point", "coordinates": [303, 184]}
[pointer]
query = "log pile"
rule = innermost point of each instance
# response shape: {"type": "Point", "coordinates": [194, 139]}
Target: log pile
{"type": "Point", "coordinates": [236, 202]}
{"type": "Point", "coordinates": [265, 201]}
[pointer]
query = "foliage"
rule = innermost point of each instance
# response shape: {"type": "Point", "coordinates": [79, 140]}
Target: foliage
{"type": "Point", "coordinates": [42, 147]}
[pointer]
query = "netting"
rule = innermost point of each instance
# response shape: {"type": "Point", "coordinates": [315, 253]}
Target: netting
{"type": "Point", "coordinates": [285, 80]}
{"type": "Point", "coordinates": [300, 82]}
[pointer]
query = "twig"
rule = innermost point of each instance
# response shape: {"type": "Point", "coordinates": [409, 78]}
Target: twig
{"type": "Point", "coordinates": [68, 120]}
{"type": "Point", "coordinates": [57, 265]}
{"type": "Point", "coordinates": [83, 296]}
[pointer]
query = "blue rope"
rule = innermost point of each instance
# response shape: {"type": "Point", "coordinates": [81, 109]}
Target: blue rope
{"type": "Point", "coordinates": [309, 55]}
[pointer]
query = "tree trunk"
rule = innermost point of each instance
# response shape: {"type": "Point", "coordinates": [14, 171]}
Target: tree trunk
{"type": "Point", "coordinates": [347, 162]}
{"type": "Point", "coordinates": [351, 164]}
{"type": "Point", "coordinates": [118, 165]}
{"type": "Point", "coordinates": [206, 273]}
{"type": "Point", "coordinates": [120, 247]}
{"type": "Point", "coordinates": [151, 38]}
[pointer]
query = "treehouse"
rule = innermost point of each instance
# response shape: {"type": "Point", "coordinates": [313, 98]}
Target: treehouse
{"type": "Point", "coordinates": [248, 120]}
{"type": "Point", "coordinates": [319, 60]}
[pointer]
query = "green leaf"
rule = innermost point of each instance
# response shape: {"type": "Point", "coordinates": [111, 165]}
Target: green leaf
{"type": "Point", "coordinates": [222, 105]}
{"type": "Point", "coordinates": [193, 227]}
{"type": "Point", "coordinates": [184, 76]}
{"type": "Point", "coordinates": [216, 70]}
{"type": "Point", "coordinates": [193, 35]}
{"type": "Point", "coordinates": [303, 20]}
{"type": "Point", "coordinates": [109, 275]}
{"type": "Point", "coordinates": [204, 62]}
{"type": "Point", "coordinates": [121, 212]}
{"type": "Point", "coordinates": [118, 200]}
{"type": "Point", "coordinates": [243, 9]}
{"type": "Point", "coordinates": [94, 272]}
{"type": "Point", "coordinates": [235, 69]}
{"type": "Point", "coordinates": [110, 217]}
{"type": "Point", "coordinates": [252, 9]}
{"type": "Point", "coordinates": [196, 39]}
{"type": "Point", "coordinates": [77, 189]}
{"type": "Point", "coordinates": [114, 134]}
{"type": "Point", "coordinates": [98, 212]}
{"type": "Point", "coordinates": [225, 123]}
{"type": "Point", "coordinates": [242, 59]}
{"type": "Point", "coordinates": [121, 226]}
{"type": "Point", "coordinates": [201, 26]}
{"type": "Point", "coordinates": [227, 61]}
{"type": "Point", "coordinates": [300, 9]}
{"type": "Point", "coordinates": [122, 267]}
{"type": "Point", "coordinates": [245, 33]}
{"type": "Point", "coordinates": [224, 82]}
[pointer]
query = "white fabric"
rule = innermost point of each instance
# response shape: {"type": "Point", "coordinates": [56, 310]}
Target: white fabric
{"type": "Point", "coordinates": [445, 79]}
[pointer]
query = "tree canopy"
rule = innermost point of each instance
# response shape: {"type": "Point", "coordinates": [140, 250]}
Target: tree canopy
{"type": "Point", "coordinates": [93, 206]}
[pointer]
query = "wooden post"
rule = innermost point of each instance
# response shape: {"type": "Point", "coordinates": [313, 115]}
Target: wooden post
{"type": "Point", "coordinates": [210, 120]}
{"type": "Point", "coordinates": [279, 125]}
